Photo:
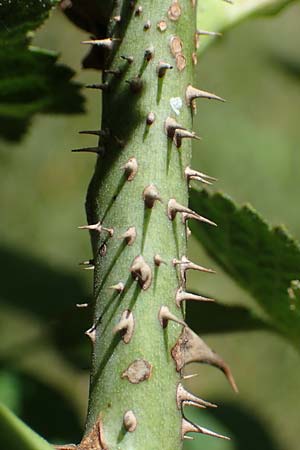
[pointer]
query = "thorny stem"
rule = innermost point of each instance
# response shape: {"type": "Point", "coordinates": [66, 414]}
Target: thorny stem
{"type": "Point", "coordinates": [136, 203]}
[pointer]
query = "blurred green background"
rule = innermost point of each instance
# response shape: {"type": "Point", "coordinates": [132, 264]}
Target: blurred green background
{"type": "Point", "coordinates": [251, 144]}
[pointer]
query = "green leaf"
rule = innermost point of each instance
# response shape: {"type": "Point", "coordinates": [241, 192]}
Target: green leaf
{"type": "Point", "coordinates": [15, 435]}
{"type": "Point", "coordinates": [31, 81]}
{"type": "Point", "coordinates": [219, 318]}
{"type": "Point", "coordinates": [218, 16]}
{"type": "Point", "coordinates": [264, 260]}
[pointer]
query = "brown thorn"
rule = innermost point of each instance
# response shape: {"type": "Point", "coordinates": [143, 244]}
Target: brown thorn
{"type": "Point", "coordinates": [97, 150]}
{"type": "Point", "coordinates": [162, 68]}
{"type": "Point", "coordinates": [89, 262]}
{"type": "Point", "coordinates": [158, 260]}
{"type": "Point", "coordinates": [185, 397]}
{"type": "Point", "coordinates": [125, 326]}
{"type": "Point", "coordinates": [108, 43]}
{"type": "Point", "coordinates": [191, 174]}
{"type": "Point", "coordinates": [147, 25]}
{"type": "Point", "coordinates": [119, 287]}
{"type": "Point", "coordinates": [182, 296]}
{"type": "Point", "coordinates": [138, 11]}
{"type": "Point", "coordinates": [191, 348]}
{"type": "Point", "coordinates": [150, 118]}
{"type": "Point", "coordinates": [187, 216]}
{"type": "Point", "coordinates": [129, 235]}
{"type": "Point", "coordinates": [129, 421]}
{"type": "Point", "coordinates": [149, 53]}
{"type": "Point", "coordinates": [91, 333]}
{"type": "Point", "coordinates": [97, 227]}
{"type": "Point", "coordinates": [183, 134]}
{"type": "Point", "coordinates": [189, 427]}
{"type": "Point", "coordinates": [208, 33]}
{"type": "Point", "coordinates": [130, 169]}
{"type": "Point", "coordinates": [192, 93]}
{"type": "Point", "coordinates": [171, 126]}
{"type": "Point", "coordinates": [185, 264]}
{"type": "Point", "coordinates": [129, 59]}
{"type": "Point", "coordinates": [141, 272]}
{"type": "Point", "coordinates": [93, 132]}
{"type": "Point", "coordinates": [151, 195]}
{"type": "Point", "coordinates": [174, 207]}
{"type": "Point", "coordinates": [100, 86]}
{"type": "Point", "coordinates": [165, 315]}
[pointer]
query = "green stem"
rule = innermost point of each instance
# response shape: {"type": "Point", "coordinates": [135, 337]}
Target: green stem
{"type": "Point", "coordinates": [137, 89]}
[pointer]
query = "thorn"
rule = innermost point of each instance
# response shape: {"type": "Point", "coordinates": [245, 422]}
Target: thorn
{"type": "Point", "coordinates": [126, 326]}
{"type": "Point", "coordinates": [182, 296]}
{"type": "Point", "coordinates": [192, 93]}
{"type": "Point", "coordinates": [208, 33]}
{"type": "Point", "coordinates": [108, 43]}
{"type": "Point", "coordinates": [183, 134]}
{"type": "Point", "coordinates": [162, 68]}
{"type": "Point", "coordinates": [138, 11]}
{"type": "Point", "coordinates": [129, 59]}
{"type": "Point", "coordinates": [188, 377]}
{"type": "Point", "coordinates": [171, 126]}
{"type": "Point", "coordinates": [117, 19]}
{"type": "Point", "coordinates": [129, 421]}
{"type": "Point", "coordinates": [98, 150]}
{"type": "Point", "coordinates": [150, 118]}
{"type": "Point", "coordinates": [191, 174]}
{"type": "Point", "coordinates": [188, 438]}
{"type": "Point", "coordinates": [130, 169]}
{"type": "Point", "coordinates": [189, 427]}
{"type": "Point", "coordinates": [101, 86]}
{"type": "Point", "coordinates": [97, 227]}
{"type": "Point", "coordinates": [165, 315]}
{"type": "Point", "coordinates": [191, 348]}
{"type": "Point", "coordinates": [187, 216]}
{"type": "Point", "coordinates": [89, 268]}
{"type": "Point", "coordinates": [119, 287]}
{"type": "Point", "coordinates": [184, 397]}
{"type": "Point", "coordinates": [147, 25]}
{"type": "Point", "coordinates": [149, 53]}
{"type": "Point", "coordinates": [151, 195]}
{"type": "Point", "coordinates": [82, 305]}
{"type": "Point", "coordinates": [91, 333]}
{"type": "Point", "coordinates": [135, 84]}
{"type": "Point", "coordinates": [174, 207]}
{"type": "Point", "coordinates": [93, 132]}
{"type": "Point", "coordinates": [185, 265]}
{"type": "Point", "coordinates": [141, 272]}
{"type": "Point", "coordinates": [115, 72]}
{"type": "Point", "coordinates": [158, 260]}
{"type": "Point", "coordinates": [129, 235]}
{"type": "Point", "coordinates": [87, 263]}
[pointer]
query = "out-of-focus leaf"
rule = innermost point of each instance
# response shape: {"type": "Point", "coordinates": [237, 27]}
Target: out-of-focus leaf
{"type": "Point", "coordinates": [213, 15]}
{"type": "Point", "coordinates": [15, 435]}
{"type": "Point", "coordinates": [49, 294]}
{"type": "Point", "coordinates": [30, 80]}
{"type": "Point", "coordinates": [207, 317]}
{"type": "Point", "coordinates": [262, 259]}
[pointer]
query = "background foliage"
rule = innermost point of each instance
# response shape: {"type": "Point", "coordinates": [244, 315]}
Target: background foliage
{"type": "Point", "coordinates": [250, 144]}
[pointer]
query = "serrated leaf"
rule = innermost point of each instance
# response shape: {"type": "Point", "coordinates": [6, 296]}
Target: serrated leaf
{"type": "Point", "coordinates": [218, 16]}
{"type": "Point", "coordinates": [264, 260]}
{"type": "Point", "coordinates": [31, 81]}
{"type": "Point", "coordinates": [16, 435]}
